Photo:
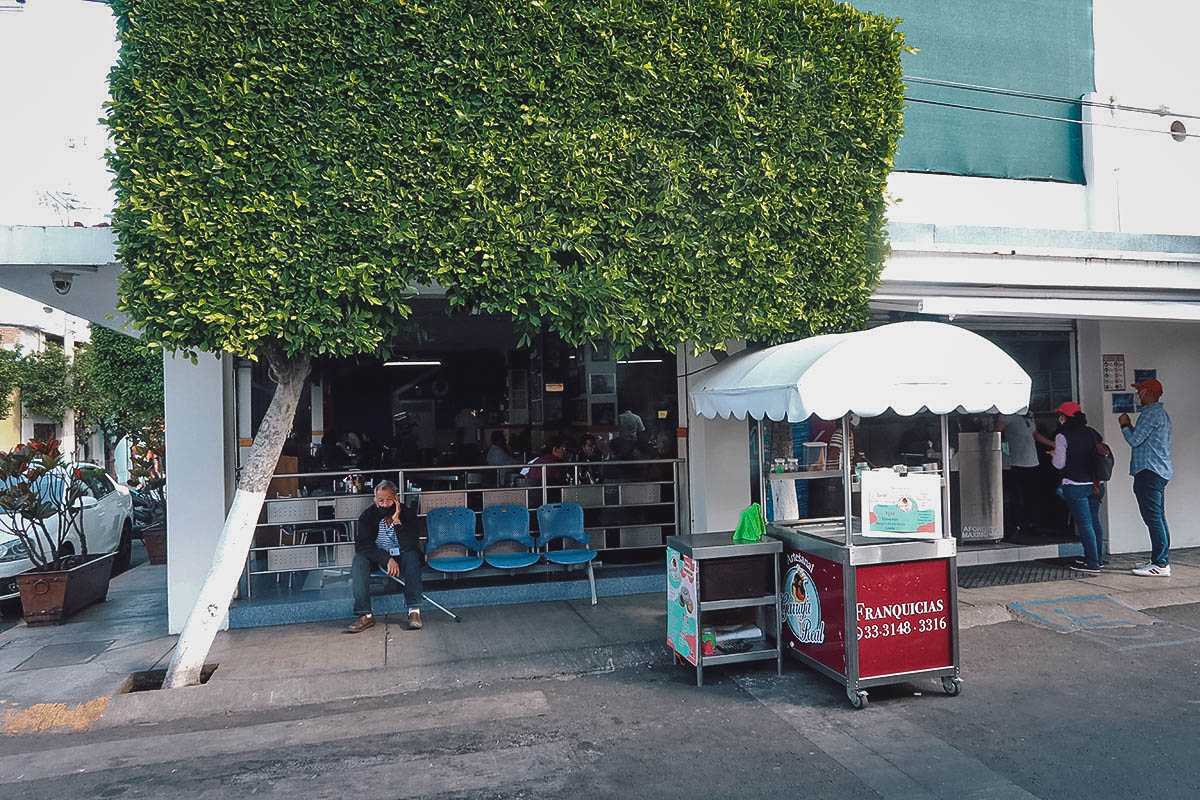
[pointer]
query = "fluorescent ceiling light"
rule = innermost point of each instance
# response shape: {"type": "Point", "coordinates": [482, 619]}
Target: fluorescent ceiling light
{"type": "Point", "coordinates": [412, 363]}
{"type": "Point", "coordinates": [642, 361]}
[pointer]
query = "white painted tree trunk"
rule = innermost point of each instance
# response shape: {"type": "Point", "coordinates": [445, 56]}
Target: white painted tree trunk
{"type": "Point", "coordinates": [212, 603]}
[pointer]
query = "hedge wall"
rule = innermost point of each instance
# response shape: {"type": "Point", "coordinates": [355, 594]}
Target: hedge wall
{"type": "Point", "coordinates": [643, 172]}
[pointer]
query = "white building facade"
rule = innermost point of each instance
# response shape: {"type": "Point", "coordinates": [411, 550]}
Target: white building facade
{"type": "Point", "coordinates": [1090, 235]}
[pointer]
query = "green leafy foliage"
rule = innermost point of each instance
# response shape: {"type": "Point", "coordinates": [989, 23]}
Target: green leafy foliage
{"type": "Point", "coordinates": [43, 383]}
{"type": "Point", "coordinates": [10, 379]}
{"type": "Point", "coordinates": [118, 385]}
{"type": "Point", "coordinates": [637, 171]}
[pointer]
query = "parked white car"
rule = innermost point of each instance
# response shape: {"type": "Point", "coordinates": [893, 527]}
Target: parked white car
{"type": "Point", "coordinates": [107, 523]}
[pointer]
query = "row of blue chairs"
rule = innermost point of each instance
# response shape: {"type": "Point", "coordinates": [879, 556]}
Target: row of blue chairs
{"type": "Point", "coordinates": [453, 530]}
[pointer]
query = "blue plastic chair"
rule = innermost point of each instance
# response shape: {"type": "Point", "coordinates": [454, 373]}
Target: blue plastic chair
{"type": "Point", "coordinates": [508, 524]}
{"type": "Point", "coordinates": [452, 526]}
{"type": "Point", "coordinates": [565, 521]}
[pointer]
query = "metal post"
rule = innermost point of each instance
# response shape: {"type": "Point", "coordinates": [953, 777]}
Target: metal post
{"type": "Point", "coordinates": [675, 508]}
{"type": "Point", "coordinates": [945, 429]}
{"type": "Point", "coordinates": [847, 473]}
{"type": "Point", "coordinates": [762, 462]}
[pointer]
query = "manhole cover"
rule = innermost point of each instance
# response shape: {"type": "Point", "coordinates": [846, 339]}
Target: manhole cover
{"type": "Point", "coordinates": [984, 575]}
{"type": "Point", "coordinates": [64, 655]}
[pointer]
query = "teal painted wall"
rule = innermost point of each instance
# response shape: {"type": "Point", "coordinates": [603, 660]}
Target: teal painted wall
{"type": "Point", "coordinates": [1039, 46]}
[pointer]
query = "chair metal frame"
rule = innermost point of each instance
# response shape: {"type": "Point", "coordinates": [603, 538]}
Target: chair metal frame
{"type": "Point", "coordinates": [565, 521]}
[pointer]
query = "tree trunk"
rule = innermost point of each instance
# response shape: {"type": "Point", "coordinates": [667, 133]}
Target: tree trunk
{"type": "Point", "coordinates": [236, 537]}
{"type": "Point", "coordinates": [110, 453]}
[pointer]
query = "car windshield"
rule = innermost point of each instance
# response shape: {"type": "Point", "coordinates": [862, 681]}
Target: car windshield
{"type": "Point", "coordinates": [49, 487]}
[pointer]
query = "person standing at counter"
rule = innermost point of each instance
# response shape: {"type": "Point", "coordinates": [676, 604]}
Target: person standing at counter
{"type": "Point", "coordinates": [1018, 431]}
{"type": "Point", "coordinates": [1151, 468]}
{"type": "Point", "coordinates": [1075, 457]}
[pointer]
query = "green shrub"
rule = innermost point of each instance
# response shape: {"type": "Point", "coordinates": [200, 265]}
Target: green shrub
{"type": "Point", "coordinates": [644, 172]}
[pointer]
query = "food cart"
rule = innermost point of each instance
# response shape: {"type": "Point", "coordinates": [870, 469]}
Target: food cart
{"type": "Point", "coordinates": [871, 599]}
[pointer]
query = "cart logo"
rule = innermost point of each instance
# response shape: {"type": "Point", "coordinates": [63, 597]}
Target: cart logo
{"type": "Point", "coordinates": [802, 607]}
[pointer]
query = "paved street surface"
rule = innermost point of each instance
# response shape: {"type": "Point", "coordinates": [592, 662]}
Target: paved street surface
{"type": "Point", "coordinates": [1107, 710]}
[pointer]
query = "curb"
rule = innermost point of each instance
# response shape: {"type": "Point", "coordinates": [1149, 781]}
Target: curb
{"type": "Point", "coordinates": [240, 696]}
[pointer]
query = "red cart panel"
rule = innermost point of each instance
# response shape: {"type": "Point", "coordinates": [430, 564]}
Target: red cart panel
{"type": "Point", "coordinates": [903, 615]}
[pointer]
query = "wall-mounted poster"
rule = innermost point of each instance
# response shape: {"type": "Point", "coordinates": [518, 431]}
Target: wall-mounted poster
{"type": "Point", "coordinates": [901, 506]}
{"type": "Point", "coordinates": [1123, 403]}
{"type": "Point", "coordinates": [1114, 372]}
{"type": "Point", "coordinates": [603, 383]}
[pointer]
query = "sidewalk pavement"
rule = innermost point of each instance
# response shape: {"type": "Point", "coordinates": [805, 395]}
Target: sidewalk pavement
{"type": "Point", "coordinates": [73, 676]}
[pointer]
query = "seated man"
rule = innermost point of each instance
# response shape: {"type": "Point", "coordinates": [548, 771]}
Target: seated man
{"type": "Point", "coordinates": [387, 537]}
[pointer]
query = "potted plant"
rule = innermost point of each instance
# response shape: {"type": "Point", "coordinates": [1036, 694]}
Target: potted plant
{"type": "Point", "coordinates": [147, 478]}
{"type": "Point", "coordinates": [41, 503]}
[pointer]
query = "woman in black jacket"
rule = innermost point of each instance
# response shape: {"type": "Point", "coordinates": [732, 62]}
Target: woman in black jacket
{"type": "Point", "coordinates": [1075, 457]}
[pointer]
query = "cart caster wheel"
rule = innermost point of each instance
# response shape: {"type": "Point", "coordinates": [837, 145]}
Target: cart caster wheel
{"type": "Point", "coordinates": [858, 699]}
{"type": "Point", "coordinates": [953, 686]}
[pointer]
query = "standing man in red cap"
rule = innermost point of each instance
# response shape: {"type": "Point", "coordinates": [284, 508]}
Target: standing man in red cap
{"type": "Point", "coordinates": [1150, 466]}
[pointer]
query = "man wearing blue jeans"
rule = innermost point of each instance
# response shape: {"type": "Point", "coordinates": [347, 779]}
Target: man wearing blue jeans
{"type": "Point", "coordinates": [386, 537]}
{"type": "Point", "coordinates": [1150, 466]}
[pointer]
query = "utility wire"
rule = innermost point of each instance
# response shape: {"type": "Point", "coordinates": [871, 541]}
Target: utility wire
{"type": "Point", "coordinates": [1162, 111]}
{"type": "Point", "coordinates": [1048, 118]}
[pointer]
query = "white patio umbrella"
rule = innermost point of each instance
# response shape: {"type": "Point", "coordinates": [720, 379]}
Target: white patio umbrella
{"type": "Point", "coordinates": [907, 367]}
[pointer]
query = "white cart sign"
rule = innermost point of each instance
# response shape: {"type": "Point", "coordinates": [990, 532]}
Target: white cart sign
{"type": "Point", "coordinates": [901, 506]}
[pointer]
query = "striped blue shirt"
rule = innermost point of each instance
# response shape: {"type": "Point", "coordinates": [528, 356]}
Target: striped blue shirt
{"type": "Point", "coordinates": [386, 540]}
{"type": "Point", "coordinates": [1150, 439]}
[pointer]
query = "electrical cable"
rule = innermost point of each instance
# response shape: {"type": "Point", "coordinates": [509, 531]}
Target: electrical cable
{"type": "Point", "coordinates": [1166, 132]}
{"type": "Point", "coordinates": [1162, 111]}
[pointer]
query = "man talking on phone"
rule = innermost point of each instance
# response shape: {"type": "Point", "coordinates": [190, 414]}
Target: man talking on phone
{"type": "Point", "coordinates": [387, 538]}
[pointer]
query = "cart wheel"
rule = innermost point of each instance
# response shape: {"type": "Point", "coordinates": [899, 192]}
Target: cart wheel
{"type": "Point", "coordinates": [858, 698]}
{"type": "Point", "coordinates": [953, 686]}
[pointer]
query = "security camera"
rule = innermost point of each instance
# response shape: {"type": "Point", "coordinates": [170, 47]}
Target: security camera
{"type": "Point", "coordinates": [62, 281]}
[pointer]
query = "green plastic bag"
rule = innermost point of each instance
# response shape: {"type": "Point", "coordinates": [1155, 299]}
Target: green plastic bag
{"type": "Point", "coordinates": [750, 527]}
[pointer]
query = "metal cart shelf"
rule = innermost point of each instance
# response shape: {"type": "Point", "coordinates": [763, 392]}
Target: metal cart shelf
{"type": "Point", "coordinates": [693, 559]}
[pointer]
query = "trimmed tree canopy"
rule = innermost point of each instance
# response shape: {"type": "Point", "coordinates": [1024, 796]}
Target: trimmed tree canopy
{"type": "Point", "coordinates": [643, 172]}
{"type": "Point", "coordinates": [118, 384]}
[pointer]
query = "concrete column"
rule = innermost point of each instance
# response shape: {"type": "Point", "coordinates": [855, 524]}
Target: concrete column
{"type": "Point", "coordinates": [717, 452]}
{"type": "Point", "coordinates": [199, 430]}
{"type": "Point", "coordinates": [244, 389]}
{"type": "Point", "coordinates": [68, 446]}
{"type": "Point", "coordinates": [1102, 176]}
{"type": "Point", "coordinates": [317, 402]}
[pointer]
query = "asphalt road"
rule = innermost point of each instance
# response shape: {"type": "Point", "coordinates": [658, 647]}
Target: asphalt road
{"type": "Point", "coordinates": [1110, 713]}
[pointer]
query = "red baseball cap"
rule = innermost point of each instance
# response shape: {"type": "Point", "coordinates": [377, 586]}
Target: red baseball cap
{"type": "Point", "coordinates": [1069, 409]}
{"type": "Point", "coordinates": [1151, 383]}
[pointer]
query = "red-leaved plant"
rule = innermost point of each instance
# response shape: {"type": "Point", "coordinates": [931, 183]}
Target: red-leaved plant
{"type": "Point", "coordinates": [41, 500]}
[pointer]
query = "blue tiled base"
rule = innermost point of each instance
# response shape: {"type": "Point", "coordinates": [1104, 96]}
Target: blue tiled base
{"type": "Point", "coordinates": [337, 604]}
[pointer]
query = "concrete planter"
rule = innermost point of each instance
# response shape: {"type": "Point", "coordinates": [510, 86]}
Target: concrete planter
{"type": "Point", "coordinates": [155, 539]}
{"type": "Point", "coordinates": [50, 596]}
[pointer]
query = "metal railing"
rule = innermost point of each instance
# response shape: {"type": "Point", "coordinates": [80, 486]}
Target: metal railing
{"type": "Point", "coordinates": [626, 506]}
